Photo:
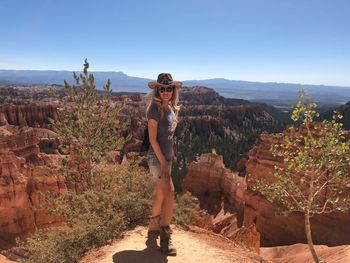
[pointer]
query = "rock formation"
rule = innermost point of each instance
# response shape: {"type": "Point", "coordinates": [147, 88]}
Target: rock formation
{"type": "Point", "coordinates": [298, 253]}
{"type": "Point", "coordinates": [209, 175]}
{"type": "Point", "coordinates": [29, 114]}
{"type": "Point", "coordinates": [217, 188]}
{"type": "Point", "coordinates": [24, 172]}
{"type": "Point", "coordinates": [221, 192]}
{"type": "Point", "coordinates": [328, 229]}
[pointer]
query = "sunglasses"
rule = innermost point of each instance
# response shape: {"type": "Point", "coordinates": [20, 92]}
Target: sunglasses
{"type": "Point", "coordinates": [166, 89]}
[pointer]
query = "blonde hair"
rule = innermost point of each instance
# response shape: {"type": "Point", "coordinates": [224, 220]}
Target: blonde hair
{"type": "Point", "coordinates": [153, 97]}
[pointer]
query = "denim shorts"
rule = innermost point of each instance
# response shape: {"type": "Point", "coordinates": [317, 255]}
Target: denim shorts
{"type": "Point", "coordinates": [154, 165]}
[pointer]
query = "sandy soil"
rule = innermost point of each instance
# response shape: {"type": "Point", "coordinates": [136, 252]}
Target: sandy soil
{"type": "Point", "coordinates": [300, 253]}
{"type": "Point", "coordinates": [192, 246]}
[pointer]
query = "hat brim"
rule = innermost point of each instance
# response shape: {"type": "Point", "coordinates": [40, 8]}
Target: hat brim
{"type": "Point", "coordinates": [155, 84]}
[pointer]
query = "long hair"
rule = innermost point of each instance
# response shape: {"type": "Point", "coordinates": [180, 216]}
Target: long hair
{"type": "Point", "coordinates": [154, 97]}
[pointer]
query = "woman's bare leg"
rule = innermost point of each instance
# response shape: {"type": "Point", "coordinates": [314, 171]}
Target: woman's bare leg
{"type": "Point", "coordinates": [158, 199]}
{"type": "Point", "coordinates": [168, 202]}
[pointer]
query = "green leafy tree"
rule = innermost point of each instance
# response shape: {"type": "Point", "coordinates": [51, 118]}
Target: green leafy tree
{"type": "Point", "coordinates": [87, 126]}
{"type": "Point", "coordinates": [314, 178]}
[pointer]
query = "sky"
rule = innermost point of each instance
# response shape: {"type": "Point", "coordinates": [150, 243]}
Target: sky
{"type": "Point", "coordinates": [292, 41]}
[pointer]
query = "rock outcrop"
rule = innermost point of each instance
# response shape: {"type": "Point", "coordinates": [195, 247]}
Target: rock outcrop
{"type": "Point", "coordinates": [221, 193]}
{"type": "Point", "coordinates": [300, 253]}
{"type": "Point", "coordinates": [29, 114]}
{"type": "Point", "coordinates": [209, 175]}
{"type": "Point", "coordinates": [328, 229]}
{"type": "Point", "coordinates": [217, 188]}
{"type": "Point", "coordinates": [24, 172]}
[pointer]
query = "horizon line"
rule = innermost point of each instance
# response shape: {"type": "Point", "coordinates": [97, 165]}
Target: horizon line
{"type": "Point", "coordinates": [215, 78]}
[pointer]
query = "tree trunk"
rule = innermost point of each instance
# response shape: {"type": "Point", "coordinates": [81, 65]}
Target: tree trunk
{"type": "Point", "coordinates": [309, 238]}
{"type": "Point", "coordinates": [91, 176]}
{"type": "Point", "coordinates": [307, 221]}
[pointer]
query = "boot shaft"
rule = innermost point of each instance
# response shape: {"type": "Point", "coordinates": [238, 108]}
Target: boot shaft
{"type": "Point", "coordinates": [165, 232]}
{"type": "Point", "coordinates": [166, 245]}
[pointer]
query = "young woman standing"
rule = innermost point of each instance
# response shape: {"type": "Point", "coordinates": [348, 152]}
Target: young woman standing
{"type": "Point", "coordinates": [162, 113]}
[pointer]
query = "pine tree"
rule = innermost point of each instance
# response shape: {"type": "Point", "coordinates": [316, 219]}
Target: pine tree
{"type": "Point", "coordinates": [88, 126]}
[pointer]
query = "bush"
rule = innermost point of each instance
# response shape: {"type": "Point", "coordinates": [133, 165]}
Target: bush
{"type": "Point", "coordinates": [120, 201]}
{"type": "Point", "coordinates": [68, 244]}
{"type": "Point", "coordinates": [186, 209]}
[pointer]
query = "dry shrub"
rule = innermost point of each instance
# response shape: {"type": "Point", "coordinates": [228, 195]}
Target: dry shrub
{"type": "Point", "coordinates": [120, 201]}
{"type": "Point", "coordinates": [186, 209]}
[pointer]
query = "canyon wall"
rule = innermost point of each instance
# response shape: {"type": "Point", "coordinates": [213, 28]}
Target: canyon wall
{"type": "Point", "coordinates": [24, 173]}
{"type": "Point", "coordinates": [29, 114]}
{"type": "Point", "coordinates": [329, 229]}
{"type": "Point", "coordinates": [218, 188]}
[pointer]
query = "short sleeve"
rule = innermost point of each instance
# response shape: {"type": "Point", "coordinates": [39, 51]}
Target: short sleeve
{"type": "Point", "coordinates": [153, 113]}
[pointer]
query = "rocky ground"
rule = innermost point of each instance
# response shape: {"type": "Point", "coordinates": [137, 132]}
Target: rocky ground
{"type": "Point", "coordinates": [300, 253]}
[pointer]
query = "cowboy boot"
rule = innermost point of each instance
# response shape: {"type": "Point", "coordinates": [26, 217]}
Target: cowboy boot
{"type": "Point", "coordinates": [154, 224]}
{"type": "Point", "coordinates": [166, 245]}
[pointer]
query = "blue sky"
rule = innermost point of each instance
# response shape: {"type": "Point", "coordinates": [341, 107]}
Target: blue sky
{"type": "Point", "coordinates": [297, 41]}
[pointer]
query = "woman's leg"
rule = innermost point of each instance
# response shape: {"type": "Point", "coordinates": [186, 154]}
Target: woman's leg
{"type": "Point", "coordinates": [168, 202]}
{"type": "Point", "coordinates": [158, 199]}
{"type": "Point", "coordinates": [166, 245]}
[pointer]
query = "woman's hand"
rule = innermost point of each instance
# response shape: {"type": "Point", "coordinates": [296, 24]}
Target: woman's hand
{"type": "Point", "coordinates": [165, 176]}
{"type": "Point", "coordinates": [164, 171]}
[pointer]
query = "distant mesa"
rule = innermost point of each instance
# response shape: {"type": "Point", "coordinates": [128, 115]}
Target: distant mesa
{"type": "Point", "coordinates": [270, 92]}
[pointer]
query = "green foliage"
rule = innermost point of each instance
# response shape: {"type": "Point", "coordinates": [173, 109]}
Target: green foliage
{"type": "Point", "coordinates": [120, 201]}
{"type": "Point", "coordinates": [69, 244]}
{"type": "Point", "coordinates": [87, 126]}
{"type": "Point", "coordinates": [186, 209]}
{"type": "Point", "coordinates": [343, 110]}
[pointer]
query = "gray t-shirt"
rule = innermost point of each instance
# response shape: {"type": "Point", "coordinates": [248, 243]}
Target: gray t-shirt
{"type": "Point", "coordinates": [165, 131]}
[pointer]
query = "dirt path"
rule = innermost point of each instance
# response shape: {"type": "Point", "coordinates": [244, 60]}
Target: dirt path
{"type": "Point", "coordinates": [200, 246]}
{"type": "Point", "coordinates": [193, 246]}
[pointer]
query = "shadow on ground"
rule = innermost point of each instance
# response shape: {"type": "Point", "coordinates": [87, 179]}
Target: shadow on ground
{"type": "Point", "coordinates": [151, 254]}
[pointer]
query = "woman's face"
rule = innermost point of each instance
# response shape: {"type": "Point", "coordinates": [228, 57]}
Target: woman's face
{"type": "Point", "coordinates": [165, 91]}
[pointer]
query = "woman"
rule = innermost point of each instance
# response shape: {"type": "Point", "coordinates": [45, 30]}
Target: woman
{"type": "Point", "coordinates": [162, 114]}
